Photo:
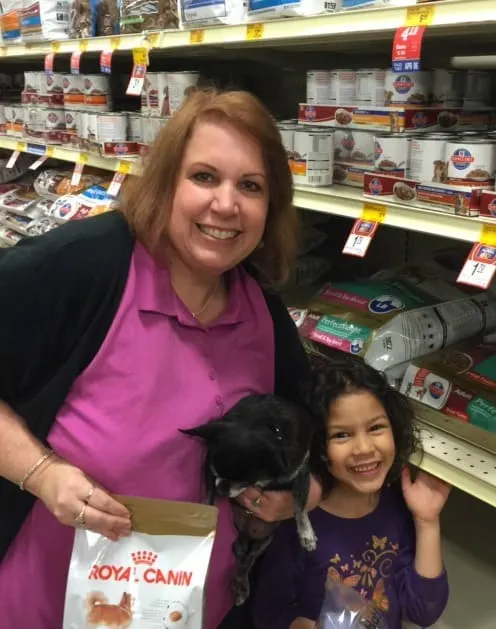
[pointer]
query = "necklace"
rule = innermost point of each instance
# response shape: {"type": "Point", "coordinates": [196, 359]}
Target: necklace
{"type": "Point", "coordinates": [195, 315]}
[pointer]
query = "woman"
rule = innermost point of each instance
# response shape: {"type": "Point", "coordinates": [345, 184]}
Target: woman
{"type": "Point", "coordinates": [121, 329]}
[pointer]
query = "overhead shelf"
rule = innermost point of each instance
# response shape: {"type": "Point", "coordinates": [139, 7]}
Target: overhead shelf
{"type": "Point", "coordinates": [448, 17]}
{"type": "Point", "coordinates": [470, 469]}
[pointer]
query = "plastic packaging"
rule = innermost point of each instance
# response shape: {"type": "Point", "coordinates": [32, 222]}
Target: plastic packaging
{"type": "Point", "coordinates": [45, 20]}
{"type": "Point", "coordinates": [207, 12]}
{"type": "Point", "coordinates": [344, 608]}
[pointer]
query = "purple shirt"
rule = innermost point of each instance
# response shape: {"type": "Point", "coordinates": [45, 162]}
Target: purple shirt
{"type": "Point", "coordinates": [373, 554]}
{"type": "Point", "coordinates": [158, 370]}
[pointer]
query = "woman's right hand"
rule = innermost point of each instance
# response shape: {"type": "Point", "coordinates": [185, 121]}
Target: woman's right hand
{"type": "Point", "coordinates": [65, 490]}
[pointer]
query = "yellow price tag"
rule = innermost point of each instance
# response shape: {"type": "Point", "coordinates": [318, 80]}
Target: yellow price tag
{"type": "Point", "coordinates": [488, 234]}
{"type": "Point", "coordinates": [83, 45]}
{"type": "Point", "coordinates": [49, 151]}
{"type": "Point", "coordinates": [21, 146]}
{"type": "Point", "coordinates": [82, 158]}
{"type": "Point", "coordinates": [123, 167]}
{"type": "Point", "coordinates": [140, 56]}
{"type": "Point", "coordinates": [373, 212]}
{"type": "Point", "coordinates": [115, 42]}
{"type": "Point", "coordinates": [420, 15]}
{"type": "Point", "coordinates": [153, 39]}
{"type": "Point", "coordinates": [254, 31]}
{"type": "Point", "coordinates": [55, 46]}
{"type": "Point", "coordinates": [196, 36]}
{"type": "Point", "coordinates": [3, 51]}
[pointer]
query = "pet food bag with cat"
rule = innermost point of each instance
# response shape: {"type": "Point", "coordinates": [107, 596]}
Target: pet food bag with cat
{"type": "Point", "coordinates": [390, 323]}
{"type": "Point", "coordinates": [344, 608]}
{"type": "Point", "coordinates": [153, 579]}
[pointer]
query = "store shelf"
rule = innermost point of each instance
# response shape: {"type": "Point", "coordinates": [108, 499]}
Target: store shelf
{"type": "Point", "coordinates": [470, 469]}
{"type": "Point", "coordinates": [349, 202]}
{"type": "Point", "coordinates": [449, 17]}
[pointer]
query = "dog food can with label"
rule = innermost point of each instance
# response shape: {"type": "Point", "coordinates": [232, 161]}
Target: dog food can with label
{"type": "Point", "coordinates": [51, 83]}
{"type": "Point", "coordinates": [319, 86]}
{"type": "Point", "coordinates": [71, 120]}
{"type": "Point", "coordinates": [343, 87]}
{"type": "Point", "coordinates": [134, 127]}
{"type": "Point", "coordinates": [112, 127]}
{"type": "Point", "coordinates": [54, 119]}
{"type": "Point", "coordinates": [313, 157]}
{"type": "Point", "coordinates": [370, 88]}
{"type": "Point", "coordinates": [97, 91]}
{"type": "Point", "coordinates": [427, 157]}
{"type": "Point", "coordinates": [180, 84]}
{"type": "Point", "coordinates": [92, 127]}
{"type": "Point", "coordinates": [391, 153]}
{"type": "Point", "coordinates": [149, 95]}
{"type": "Point", "coordinates": [470, 161]}
{"type": "Point", "coordinates": [403, 88]}
{"type": "Point", "coordinates": [477, 91]}
{"type": "Point", "coordinates": [82, 125]}
{"type": "Point", "coordinates": [73, 85]}
{"type": "Point", "coordinates": [447, 87]}
{"type": "Point", "coordinates": [163, 94]}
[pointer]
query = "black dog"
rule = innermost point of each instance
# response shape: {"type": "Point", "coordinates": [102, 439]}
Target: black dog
{"type": "Point", "coordinates": [263, 442]}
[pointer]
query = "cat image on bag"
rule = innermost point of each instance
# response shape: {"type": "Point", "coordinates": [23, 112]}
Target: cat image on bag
{"type": "Point", "coordinates": [100, 613]}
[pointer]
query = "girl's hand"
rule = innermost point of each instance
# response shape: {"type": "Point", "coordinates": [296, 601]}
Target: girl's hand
{"type": "Point", "coordinates": [273, 506]}
{"type": "Point", "coordinates": [426, 496]}
{"type": "Point", "coordinates": [68, 493]}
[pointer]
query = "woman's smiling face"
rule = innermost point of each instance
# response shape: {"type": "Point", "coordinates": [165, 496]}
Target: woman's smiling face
{"type": "Point", "coordinates": [221, 201]}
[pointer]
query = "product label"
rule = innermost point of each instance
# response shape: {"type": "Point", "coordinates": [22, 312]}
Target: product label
{"type": "Point", "coordinates": [340, 334]}
{"type": "Point", "coordinates": [203, 9]}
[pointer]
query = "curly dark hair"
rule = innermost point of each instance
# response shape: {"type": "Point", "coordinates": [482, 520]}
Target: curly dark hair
{"type": "Point", "coordinates": [331, 377]}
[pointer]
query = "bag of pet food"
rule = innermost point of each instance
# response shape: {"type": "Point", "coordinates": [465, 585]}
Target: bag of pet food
{"type": "Point", "coordinates": [154, 578]}
{"type": "Point", "coordinates": [45, 20]}
{"type": "Point", "coordinates": [11, 21]}
{"type": "Point", "coordinates": [344, 608]}
{"type": "Point", "coordinates": [391, 323]}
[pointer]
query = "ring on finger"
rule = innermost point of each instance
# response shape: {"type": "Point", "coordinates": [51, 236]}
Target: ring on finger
{"type": "Point", "coordinates": [79, 519]}
{"type": "Point", "coordinates": [88, 495]}
{"type": "Point", "coordinates": [256, 502]}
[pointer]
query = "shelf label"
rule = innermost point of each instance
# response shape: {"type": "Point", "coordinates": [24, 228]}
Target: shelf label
{"type": "Point", "coordinates": [106, 61]}
{"type": "Point", "coordinates": [82, 158]}
{"type": "Point", "coordinates": [115, 186]}
{"type": "Point", "coordinates": [55, 46]}
{"type": "Point", "coordinates": [77, 172]}
{"type": "Point", "coordinates": [115, 43]}
{"type": "Point", "coordinates": [75, 62]}
{"type": "Point", "coordinates": [480, 265]}
{"type": "Point", "coordinates": [407, 48]}
{"type": "Point", "coordinates": [21, 146]}
{"type": "Point", "coordinates": [420, 15]}
{"type": "Point", "coordinates": [254, 31]}
{"type": "Point", "coordinates": [49, 59]}
{"type": "Point", "coordinates": [153, 39]}
{"type": "Point", "coordinates": [140, 56]}
{"type": "Point", "coordinates": [364, 229]}
{"type": "Point", "coordinates": [35, 165]}
{"type": "Point", "coordinates": [83, 45]}
{"type": "Point", "coordinates": [137, 80]}
{"type": "Point", "coordinates": [12, 159]}
{"type": "Point", "coordinates": [196, 36]}
{"type": "Point", "coordinates": [124, 167]}
{"type": "Point", "coordinates": [49, 151]}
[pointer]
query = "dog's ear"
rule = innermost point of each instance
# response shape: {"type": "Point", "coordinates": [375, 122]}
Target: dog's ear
{"type": "Point", "coordinates": [209, 432]}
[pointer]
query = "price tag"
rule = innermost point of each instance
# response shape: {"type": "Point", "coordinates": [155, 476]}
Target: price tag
{"type": "Point", "coordinates": [254, 31]}
{"type": "Point", "coordinates": [480, 265]}
{"type": "Point", "coordinates": [55, 46]}
{"type": "Point", "coordinates": [35, 165]}
{"type": "Point", "coordinates": [75, 62]}
{"type": "Point", "coordinates": [115, 43]}
{"type": "Point", "coordinates": [76, 175]}
{"type": "Point", "coordinates": [140, 56]}
{"type": "Point", "coordinates": [364, 229]}
{"type": "Point", "coordinates": [420, 15]}
{"type": "Point", "coordinates": [106, 61]}
{"type": "Point", "coordinates": [124, 167]}
{"type": "Point", "coordinates": [49, 151]}
{"type": "Point", "coordinates": [3, 50]}
{"type": "Point", "coordinates": [12, 159]}
{"type": "Point", "coordinates": [115, 186]}
{"type": "Point", "coordinates": [82, 158]}
{"type": "Point", "coordinates": [137, 80]}
{"type": "Point", "coordinates": [83, 45]}
{"type": "Point", "coordinates": [196, 36]}
{"type": "Point", "coordinates": [49, 59]}
{"type": "Point", "coordinates": [407, 47]}
{"type": "Point", "coordinates": [21, 146]}
{"type": "Point", "coordinates": [153, 39]}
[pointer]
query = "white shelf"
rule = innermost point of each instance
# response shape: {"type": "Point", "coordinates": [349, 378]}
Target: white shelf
{"type": "Point", "coordinates": [464, 466]}
{"type": "Point", "coordinates": [453, 16]}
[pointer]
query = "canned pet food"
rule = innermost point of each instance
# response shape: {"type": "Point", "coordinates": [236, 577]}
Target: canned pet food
{"type": "Point", "coordinates": [31, 83]}
{"type": "Point", "coordinates": [343, 87]}
{"type": "Point", "coordinates": [34, 122]}
{"type": "Point", "coordinates": [287, 131]}
{"type": "Point", "coordinates": [71, 120]}
{"type": "Point", "coordinates": [313, 157]}
{"type": "Point", "coordinates": [54, 119]}
{"type": "Point", "coordinates": [149, 96]}
{"type": "Point", "coordinates": [370, 88]}
{"type": "Point", "coordinates": [14, 115]}
{"type": "Point", "coordinates": [402, 88]}
{"type": "Point", "coordinates": [163, 95]}
{"type": "Point", "coordinates": [353, 145]}
{"type": "Point", "coordinates": [151, 128]}
{"type": "Point", "coordinates": [447, 87]}
{"type": "Point", "coordinates": [112, 127]}
{"type": "Point", "coordinates": [51, 83]}
{"type": "Point", "coordinates": [92, 127]}
{"type": "Point", "coordinates": [134, 127]}
{"type": "Point", "coordinates": [391, 153]}
{"type": "Point", "coordinates": [319, 86]}
{"type": "Point", "coordinates": [471, 160]}
{"type": "Point", "coordinates": [73, 85]}
{"type": "Point", "coordinates": [427, 158]}
{"type": "Point", "coordinates": [477, 89]}
{"type": "Point", "coordinates": [181, 84]}
{"type": "Point", "coordinates": [96, 91]}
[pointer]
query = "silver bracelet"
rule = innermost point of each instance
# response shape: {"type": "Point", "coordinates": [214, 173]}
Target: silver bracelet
{"type": "Point", "coordinates": [33, 468]}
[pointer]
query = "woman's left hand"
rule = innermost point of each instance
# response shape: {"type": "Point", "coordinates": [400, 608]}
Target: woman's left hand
{"type": "Point", "coordinates": [426, 496]}
{"type": "Point", "coordinates": [273, 506]}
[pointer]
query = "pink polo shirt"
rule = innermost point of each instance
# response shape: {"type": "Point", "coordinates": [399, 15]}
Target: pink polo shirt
{"type": "Point", "coordinates": [158, 370]}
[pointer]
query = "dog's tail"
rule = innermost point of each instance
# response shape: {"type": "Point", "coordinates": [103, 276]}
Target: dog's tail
{"type": "Point", "coordinates": [95, 598]}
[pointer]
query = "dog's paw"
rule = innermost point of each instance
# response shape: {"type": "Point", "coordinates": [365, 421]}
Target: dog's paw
{"type": "Point", "coordinates": [309, 540]}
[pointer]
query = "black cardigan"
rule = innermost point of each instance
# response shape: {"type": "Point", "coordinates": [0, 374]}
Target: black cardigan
{"type": "Point", "coordinates": [59, 294]}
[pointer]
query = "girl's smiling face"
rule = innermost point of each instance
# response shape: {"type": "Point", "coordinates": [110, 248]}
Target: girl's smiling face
{"type": "Point", "coordinates": [360, 445]}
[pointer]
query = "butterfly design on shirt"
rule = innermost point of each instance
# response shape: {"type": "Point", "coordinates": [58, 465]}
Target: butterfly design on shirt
{"type": "Point", "coordinates": [379, 542]}
{"type": "Point", "coordinates": [351, 580]}
{"type": "Point", "coordinates": [379, 597]}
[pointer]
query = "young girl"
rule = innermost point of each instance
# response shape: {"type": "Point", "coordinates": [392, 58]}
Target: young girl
{"type": "Point", "coordinates": [378, 531]}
